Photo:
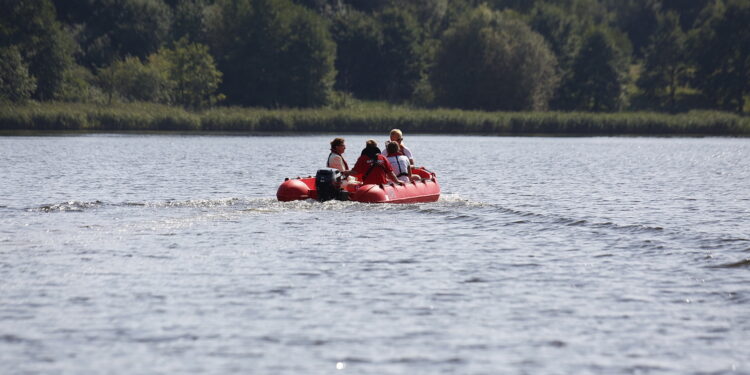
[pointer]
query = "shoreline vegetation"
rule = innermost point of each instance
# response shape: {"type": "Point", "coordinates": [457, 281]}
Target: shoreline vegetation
{"type": "Point", "coordinates": [364, 118]}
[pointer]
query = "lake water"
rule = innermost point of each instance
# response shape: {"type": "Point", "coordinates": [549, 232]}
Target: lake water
{"type": "Point", "coordinates": [134, 254]}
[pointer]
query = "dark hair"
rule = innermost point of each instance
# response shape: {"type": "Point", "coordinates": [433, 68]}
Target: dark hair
{"type": "Point", "coordinates": [336, 142]}
{"type": "Point", "coordinates": [371, 149]}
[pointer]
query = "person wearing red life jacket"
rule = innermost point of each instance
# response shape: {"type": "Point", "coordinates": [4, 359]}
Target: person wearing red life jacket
{"type": "Point", "coordinates": [372, 167]}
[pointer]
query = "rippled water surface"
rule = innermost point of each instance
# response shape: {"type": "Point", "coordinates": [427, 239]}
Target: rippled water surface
{"type": "Point", "coordinates": [130, 254]}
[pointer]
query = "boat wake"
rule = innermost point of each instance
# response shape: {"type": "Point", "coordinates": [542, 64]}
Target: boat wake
{"type": "Point", "coordinates": [69, 206]}
{"type": "Point", "coordinates": [243, 204]}
{"type": "Point", "coordinates": [452, 208]}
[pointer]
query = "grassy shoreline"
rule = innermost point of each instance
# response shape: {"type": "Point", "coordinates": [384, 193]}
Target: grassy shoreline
{"type": "Point", "coordinates": [148, 117]}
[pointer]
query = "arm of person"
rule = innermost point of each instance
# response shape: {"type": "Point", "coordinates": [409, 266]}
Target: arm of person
{"type": "Point", "coordinates": [337, 162]}
{"type": "Point", "coordinates": [408, 154]}
{"type": "Point", "coordinates": [392, 176]}
{"type": "Point", "coordinates": [358, 169]}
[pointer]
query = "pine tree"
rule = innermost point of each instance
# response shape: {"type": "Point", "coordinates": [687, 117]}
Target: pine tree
{"type": "Point", "coordinates": [596, 81]}
{"type": "Point", "coordinates": [665, 68]}
{"type": "Point", "coordinates": [721, 53]}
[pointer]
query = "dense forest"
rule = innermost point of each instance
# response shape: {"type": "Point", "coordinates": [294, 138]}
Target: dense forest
{"type": "Point", "coordinates": [492, 55]}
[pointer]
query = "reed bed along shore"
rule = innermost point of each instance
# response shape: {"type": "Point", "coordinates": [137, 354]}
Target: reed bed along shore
{"type": "Point", "coordinates": [52, 117]}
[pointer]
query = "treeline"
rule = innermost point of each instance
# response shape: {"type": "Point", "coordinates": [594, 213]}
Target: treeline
{"type": "Point", "coordinates": [492, 55]}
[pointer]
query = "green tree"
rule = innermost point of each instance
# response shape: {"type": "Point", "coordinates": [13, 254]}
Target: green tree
{"type": "Point", "coordinates": [401, 60]}
{"type": "Point", "coordinates": [188, 20]}
{"type": "Point", "coordinates": [311, 55]}
{"type": "Point", "coordinates": [590, 13]}
{"type": "Point", "coordinates": [598, 75]}
{"type": "Point", "coordinates": [665, 68]}
{"type": "Point", "coordinates": [120, 28]}
{"type": "Point", "coordinates": [378, 57]}
{"type": "Point", "coordinates": [16, 85]}
{"type": "Point", "coordinates": [489, 62]}
{"type": "Point", "coordinates": [358, 38]}
{"type": "Point", "coordinates": [561, 29]}
{"type": "Point", "coordinates": [132, 80]}
{"type": "Point", "coordinates": [73, 11]}
{"type": "Point", "coordinates": [79, 85]}
{"type": "Point", "coordinates": [721, 52]}
{"type": "Point", "coordinates": [431, 15]}
{"type": "Point", "coordinates": [192, 73]}
{"type": "Point", "coordinates": [272, 53]}
{"type": "Point", "coordinates": [687, 10]}
{"type": "Point", "coordinates": [370, 6]}
{"type": "Point", "coordinates": [522, 6]}
{"type": "Point", "coordinates": [638, 19]}
{"type": "Point", "coordinates": [32, 28]}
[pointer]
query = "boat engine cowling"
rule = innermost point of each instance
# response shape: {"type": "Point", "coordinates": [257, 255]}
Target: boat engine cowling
{"type": "Point", "coordinates": [328, 185]}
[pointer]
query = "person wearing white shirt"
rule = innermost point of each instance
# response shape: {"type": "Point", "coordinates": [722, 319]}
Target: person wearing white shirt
{"type": "Point", "coordinates": [398, 137]}
{"type": "Point", "coordinates": [336, 158]}
{"type": "Point", "coordinates": [399, 162]}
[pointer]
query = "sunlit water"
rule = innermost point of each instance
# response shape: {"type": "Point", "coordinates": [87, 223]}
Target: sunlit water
{"type": "Point", "coordinates": [131, 254]}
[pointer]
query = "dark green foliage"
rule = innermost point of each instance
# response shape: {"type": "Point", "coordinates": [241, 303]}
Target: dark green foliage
{"type": "Point", "coordinates": [596, 80]}
{"type": "Point", "coordinates": [590, 13]}
{"type": "Point", "coordinates": [16, 84]}
{"type": "Point", "coordinates": [432, 16]}
{"type": "Point", "coordinates": [272, 53]}
{"type": "Point", "coordinates": [74, 11]}
{"type": "Point", "coordinates": [31, 27]}
{"type": "Point", "coordinates": [286, 53]}
{"type": "Point", "coordinates": [487, 61]}
{"type": "Point", "coordinates": [120, 28]}
{"type": "Point", "coordinates": [311, 53]}
{"type": "Point", "coordinates": [367, 5]}
{"type": "Point", "coordinates": [378, 57]}
{"type": "Point", "coordinates": [358, 38]}
{"type": "Point", "coordinates": [188, 20]}
{"type": "Point", "coordinates": [721, 52]}
{"type": "Point", "coordinates": [522, 6]}
{"type": "Point", "coordinates": [687, 10]}
{"type": "Point", "coordinates": [665, 68]}
{"type": "Point", "coordinates": [561, 30]}
{"type": "Point", "coordinates": [638, 19]}
{"type": "Point", "coordinates": [401, 60]}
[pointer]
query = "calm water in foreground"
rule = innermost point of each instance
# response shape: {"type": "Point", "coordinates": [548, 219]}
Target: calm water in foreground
{"type": "Point", "coordinates": [134, 254]}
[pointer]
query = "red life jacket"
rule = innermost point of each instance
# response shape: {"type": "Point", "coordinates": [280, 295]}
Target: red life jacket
{"type": "Point", "coordinates": [373, 171]}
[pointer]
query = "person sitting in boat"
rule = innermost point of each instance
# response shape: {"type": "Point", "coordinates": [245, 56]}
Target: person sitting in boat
{"type": "Point", "coordinates": [398, 136]}
{"type": "Point", "coordinates": [336, 158]}
{"type": "Point", "coordinates": [399, 162]}
{"type": "Point", "coordinates": [372, 167]}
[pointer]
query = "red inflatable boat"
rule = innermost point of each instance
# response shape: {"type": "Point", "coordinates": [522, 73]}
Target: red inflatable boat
{"type": "Point", "coordinates": [327, 181]}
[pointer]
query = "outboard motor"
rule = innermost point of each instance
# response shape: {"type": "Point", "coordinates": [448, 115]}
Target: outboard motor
{"type": "Point", "coordinates": [328, 185]}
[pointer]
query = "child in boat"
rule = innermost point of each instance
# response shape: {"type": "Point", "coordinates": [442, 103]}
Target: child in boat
{"type": "Point", "coordinates": [398, 137]}
{"type": "Point", "coordinates": [399, 162]}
